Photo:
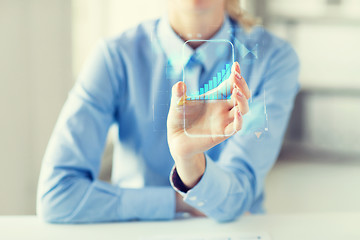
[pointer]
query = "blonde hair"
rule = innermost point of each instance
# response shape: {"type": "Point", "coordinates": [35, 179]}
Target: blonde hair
{"type": "Point", "coordinates": [235, 11]}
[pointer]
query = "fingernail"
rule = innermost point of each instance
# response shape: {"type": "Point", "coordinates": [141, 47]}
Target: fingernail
{"type": "Point", "coordinates": [239, 93]}
{"type": "Point", "coordinates": [239, 113]}
{"type": "Point", "coordinates": [237, 67]}
{"type": "Point", "coordinates": [237, 75]}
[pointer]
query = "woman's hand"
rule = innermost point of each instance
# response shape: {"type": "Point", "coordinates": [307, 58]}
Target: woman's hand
{"type": "Point", "coordinates": [219, 119]}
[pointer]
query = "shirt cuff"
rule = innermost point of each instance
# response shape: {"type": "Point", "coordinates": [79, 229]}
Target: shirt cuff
{"type": "Point", "coordinates": [177, 183]}
{"type": "Point", "coordinates": [150, 203]}
{"type": "Point", "coordinates": [209, 193]}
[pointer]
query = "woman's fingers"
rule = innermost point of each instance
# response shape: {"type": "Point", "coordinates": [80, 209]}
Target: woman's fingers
{"type": "Point", "coordinates": [240, 100]}
{"type": "Point", "coordinates": [235, 125]}
{"type": "Point", "coordinates": [239, 80]}
{"type": "Point", "coordinates": [240, 108]}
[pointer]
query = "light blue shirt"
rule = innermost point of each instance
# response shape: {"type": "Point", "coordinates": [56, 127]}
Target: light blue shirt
{"type": "Point", "coordinates": [127, 82]}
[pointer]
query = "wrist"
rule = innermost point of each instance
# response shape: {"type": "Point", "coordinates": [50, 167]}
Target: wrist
{"type": "Point", "coordinates": [190, 168]}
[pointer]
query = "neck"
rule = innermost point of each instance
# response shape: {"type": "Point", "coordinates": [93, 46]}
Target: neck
{"type": "Point", "coordinates": [195, 24]}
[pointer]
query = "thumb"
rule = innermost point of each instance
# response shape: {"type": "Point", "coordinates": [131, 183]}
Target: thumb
{"type": "Point", "coordinates": [178, 93]}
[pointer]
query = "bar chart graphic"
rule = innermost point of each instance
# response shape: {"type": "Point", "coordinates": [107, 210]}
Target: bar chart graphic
{"type": "Point", "coordinates": [204, 108]}
{"type": "Point", "coordinates": [215, 89]}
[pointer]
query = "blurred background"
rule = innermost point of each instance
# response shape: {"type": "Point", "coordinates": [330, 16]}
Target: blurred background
{"type": "Point", "coordinates": [44, 43]}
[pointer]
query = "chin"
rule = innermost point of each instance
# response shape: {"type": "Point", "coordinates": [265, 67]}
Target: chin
{"type": "Point", "coordinates": [199, 5]}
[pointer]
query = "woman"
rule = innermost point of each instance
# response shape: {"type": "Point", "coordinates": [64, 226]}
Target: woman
{"type": "Point", "coordinates": [127, 81]}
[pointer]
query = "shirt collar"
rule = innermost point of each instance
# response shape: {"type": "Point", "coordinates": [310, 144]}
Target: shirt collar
{"type": "Point", "coordinates": [179, 54]}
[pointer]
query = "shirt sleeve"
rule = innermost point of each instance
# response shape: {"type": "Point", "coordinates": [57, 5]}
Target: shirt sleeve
{"type": "Point", "coordinates": [234, 183]}
{"type": "Point", "coordinates": [69, 190]}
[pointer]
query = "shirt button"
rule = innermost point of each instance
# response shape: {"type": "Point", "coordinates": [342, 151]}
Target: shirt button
{"type": "Point", "coordinates": [193, 198]}
{"type": "Point", "coordinates": [200, 204]}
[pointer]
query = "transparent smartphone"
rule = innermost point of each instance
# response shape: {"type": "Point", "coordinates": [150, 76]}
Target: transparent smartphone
{"type": "Point", "coordinates": [207, 103]}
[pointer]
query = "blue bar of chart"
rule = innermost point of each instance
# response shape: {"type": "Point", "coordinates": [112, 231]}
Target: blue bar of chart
{"type": "Point", "coordinates": [227, 75]}
{"type": "Point", "coordinates": [214, 95]}
{"type": "Point", "coordinates": [206, 89]}
{"type": "Point", "coordinates": [201, 93]}
{"type": "Point", "coordinates": [219, 78]}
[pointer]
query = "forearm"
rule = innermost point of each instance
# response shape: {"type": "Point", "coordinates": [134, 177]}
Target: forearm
{"type": "Point", "coordinates": [80, 200]}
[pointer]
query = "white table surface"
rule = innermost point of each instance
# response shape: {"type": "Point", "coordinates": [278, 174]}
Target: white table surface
{"type": "Point", "coordinates": [327, 226]}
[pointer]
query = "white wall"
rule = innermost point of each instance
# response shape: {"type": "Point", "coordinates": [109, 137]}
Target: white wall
{"type": "Point", "coordinates": [35, 76]}
{"type": "Point", "coordinates": [96, 19]}
{"type": "Point", "coordinates": [320, 170]}
{"type": "Point", "coordinates": [325, 35]}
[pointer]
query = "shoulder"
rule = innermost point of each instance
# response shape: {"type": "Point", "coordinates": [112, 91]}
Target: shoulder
{"type": "Point", "coordinates": [280, 61]}
{"type": "Point", "coordinates": [274, 59]}
{"type": "Point", "coordinates": [268, 49]}
{"type": "Point", "coordinates": [133, 38]}
{"type": "Point", "coordinates": [120, 52]}
{"type": "Point", "coordinates": [118, 55]}
{"type": "Point", "coordinates": [130, 47]}
{"type": "Point", "coordinates": [267, 44]}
